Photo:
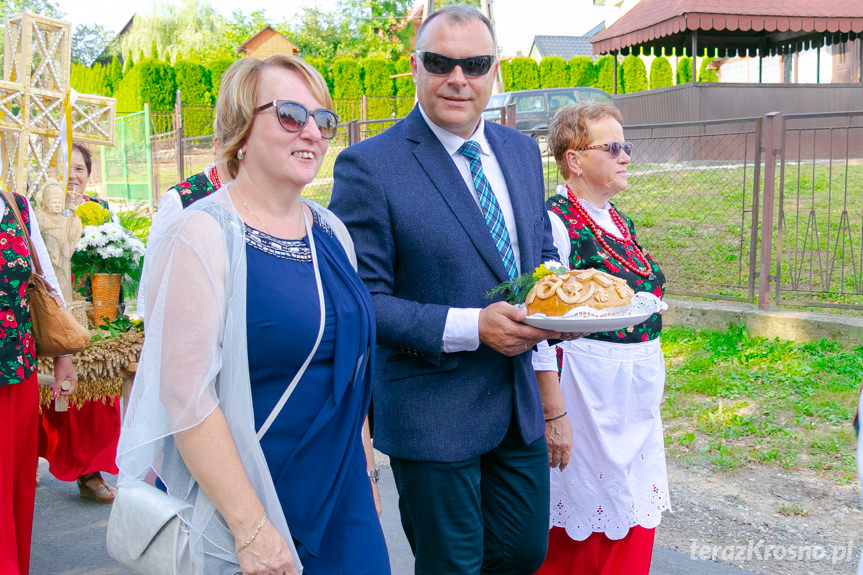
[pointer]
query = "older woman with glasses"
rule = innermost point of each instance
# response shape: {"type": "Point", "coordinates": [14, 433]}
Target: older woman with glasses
{"type": "Point", "coordinates": [253, 387]}
{"type": "Point", "coordinates": [609, 484]}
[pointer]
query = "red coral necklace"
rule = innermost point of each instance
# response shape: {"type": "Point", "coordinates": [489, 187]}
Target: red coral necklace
{"type": "Point", "coordinates": [624, 231]}
{"type": "Point", "coordinates": [213, 176]}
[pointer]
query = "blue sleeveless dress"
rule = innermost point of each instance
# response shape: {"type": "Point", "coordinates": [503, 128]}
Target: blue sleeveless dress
{"type": "Point", "coordinates": [314, 448]}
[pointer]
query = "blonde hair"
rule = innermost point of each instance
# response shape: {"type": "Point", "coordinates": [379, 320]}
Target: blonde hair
{"type": "Point", "coordinates": [570, 129]}
{"type": "Point", "coordinates": [238, 97]}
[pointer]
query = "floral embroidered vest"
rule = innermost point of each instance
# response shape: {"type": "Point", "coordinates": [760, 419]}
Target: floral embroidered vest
{"type": "Point", "coordinates": [588, 253]}
{"type": "Point", "coordinates": [17, 346]}
{"type": "Point", "coordinates": [194, 188]}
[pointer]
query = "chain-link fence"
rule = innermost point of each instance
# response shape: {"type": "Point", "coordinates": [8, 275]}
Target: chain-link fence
{"type": "Point", "coordinates": [125, 171]}
{"type": "Point", "coordinates": [696, 194]}
{"type": "Point", "coordinates": [819, 245]}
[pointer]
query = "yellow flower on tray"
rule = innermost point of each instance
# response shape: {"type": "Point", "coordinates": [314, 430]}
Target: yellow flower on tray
{"type": "Point", "coordinates": [92, 214]}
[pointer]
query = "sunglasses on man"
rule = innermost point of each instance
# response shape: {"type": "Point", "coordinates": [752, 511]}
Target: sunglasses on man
{"type": "Point", "coordinates": [440, 64]}
{"type": "Point", "coordinates": [613, 147]}
{"type": "Point", "coordinates": [293, 117]}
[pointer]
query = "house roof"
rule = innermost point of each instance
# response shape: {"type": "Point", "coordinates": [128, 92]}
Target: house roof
{"type": "Point", "coordinates": [268, 31]}
{"type": "Point", "coordinates": [564, 46]}
{"type": "Point", "coordinates": [733, 25]}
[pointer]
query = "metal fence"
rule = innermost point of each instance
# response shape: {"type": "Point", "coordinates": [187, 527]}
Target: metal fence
{"type": "Point", "coordinates": [819, 236]}
{"type": "Point", "coordinates": [743, 209]}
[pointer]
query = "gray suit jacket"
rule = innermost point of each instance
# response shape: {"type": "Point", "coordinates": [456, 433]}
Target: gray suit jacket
{"type": "Point", "coordinates": [423, 247]}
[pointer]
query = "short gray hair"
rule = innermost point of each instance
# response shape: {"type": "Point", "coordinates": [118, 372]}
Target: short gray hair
{"type": "Point", "coordinates": [455, 14]}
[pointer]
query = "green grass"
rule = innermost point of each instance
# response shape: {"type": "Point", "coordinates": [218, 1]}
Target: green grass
{"type": "Point", "coordinates": [733, 400]}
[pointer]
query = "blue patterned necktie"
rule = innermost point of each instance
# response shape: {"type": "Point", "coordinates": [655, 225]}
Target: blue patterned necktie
{"type": "Point", "coordinates": [491, 211]}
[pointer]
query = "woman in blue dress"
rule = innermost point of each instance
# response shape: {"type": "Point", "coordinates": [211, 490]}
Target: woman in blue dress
{"type": "Point", "coordinates": [253, 387]}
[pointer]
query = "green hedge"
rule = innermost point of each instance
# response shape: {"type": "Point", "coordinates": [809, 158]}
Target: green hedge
{"type": "Point", "coordinates": [506, 75]}
{"type": "Point", "coordinates": [376, 72]}
{"type": "Point", "coordinates": [684, 70]}
{"type": "Point", "coordinates": [115, 74]}
{"type": "Point", "coordinates": [705, 75]}
{"type": "Point", "coordinates": [89, 79]}
{"type": "Point", "coordinates": [150, 81]}
{"type": "Point", "coordinates": [525, 74]}
{"type": "Point", "coordinates": [661, 75]}
{"type": "Point", "coordinates": [633, 75]}
{"type": "Point", "coordinates": [605, 73]}
{"type": "Point", "coordinates": [552, 72]}
{"type": "Point", "coordinates": [582, 72]}
{"type": "Point", "coordinates": [216, 69]}
{"type": "Point", "coordinates": [320, 65]}
{"type": "Point", "coordinates": [347, 82]}
{"type": "Point", "coordinates": [193, 81]}
{"type": "Point", "coordinates": [405, 87]}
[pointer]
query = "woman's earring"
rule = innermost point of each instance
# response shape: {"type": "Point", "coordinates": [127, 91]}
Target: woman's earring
{"type": "Point", "coordinates": [240, 154]}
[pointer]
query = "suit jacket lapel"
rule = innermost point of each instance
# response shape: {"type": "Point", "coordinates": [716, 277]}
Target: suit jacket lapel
{"type": "Point", "coordinates": [510, 160]}
{"type": "Point", "coordinates": [442, 172]}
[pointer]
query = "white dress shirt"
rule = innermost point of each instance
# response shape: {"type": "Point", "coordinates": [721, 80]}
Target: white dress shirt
{"type": "Point", "coordinates": [461, 331]}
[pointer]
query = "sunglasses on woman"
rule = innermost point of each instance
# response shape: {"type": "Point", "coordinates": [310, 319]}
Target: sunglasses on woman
{"type": "Point", "coordinates": [613, 147]}
{"type": "Point", "coordinates": [293, 117]}
{"type": "Point", "coordinates": [440, 64]}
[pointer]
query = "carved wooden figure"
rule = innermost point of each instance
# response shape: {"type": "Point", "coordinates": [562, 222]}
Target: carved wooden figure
{"type": "Point", "coordinates": [61, 233]}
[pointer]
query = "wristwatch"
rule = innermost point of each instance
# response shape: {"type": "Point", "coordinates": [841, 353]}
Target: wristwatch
{"type": "Point", "coordinates": [374, 474]}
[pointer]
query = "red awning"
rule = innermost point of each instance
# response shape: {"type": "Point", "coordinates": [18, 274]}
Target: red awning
{"type": "Point", "coordinates": [774, 26]}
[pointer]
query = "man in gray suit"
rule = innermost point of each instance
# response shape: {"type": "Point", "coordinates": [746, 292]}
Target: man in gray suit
{"type": "Point", "coordinates": [442, 207]}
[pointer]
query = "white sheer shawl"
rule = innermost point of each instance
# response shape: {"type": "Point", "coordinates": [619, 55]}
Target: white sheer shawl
{"type": "Point", "coordinates": [194, 360]}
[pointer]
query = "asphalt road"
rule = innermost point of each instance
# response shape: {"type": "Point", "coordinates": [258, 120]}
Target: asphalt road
{"type": "Point", "coordinates": [69, 536]}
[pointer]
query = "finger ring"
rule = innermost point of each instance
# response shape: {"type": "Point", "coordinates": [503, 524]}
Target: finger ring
{"type": "Point", "coordinates": [66, 385]}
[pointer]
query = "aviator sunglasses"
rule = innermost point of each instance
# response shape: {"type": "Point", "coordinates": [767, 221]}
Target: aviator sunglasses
{"type": "Point", "coordinates": [613, 147]}
{"type": "Point", "coordinates": [440, 64]}
{"type": "Point", "coordinates": [293, 117]}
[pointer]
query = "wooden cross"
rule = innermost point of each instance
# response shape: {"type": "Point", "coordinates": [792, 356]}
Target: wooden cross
{"type": "Point", "coordinates": [33, 92]}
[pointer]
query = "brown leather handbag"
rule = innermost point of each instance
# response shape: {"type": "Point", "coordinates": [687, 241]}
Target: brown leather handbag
{"type": "Point", "coordinates": [55, 330]}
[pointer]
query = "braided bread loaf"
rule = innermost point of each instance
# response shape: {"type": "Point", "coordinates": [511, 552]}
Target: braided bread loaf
{"type": "Point", "coordinates": [554, 295]}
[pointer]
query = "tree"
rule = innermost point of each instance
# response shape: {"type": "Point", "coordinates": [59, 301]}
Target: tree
{"type": "Point", "coordinates": [319, 35]}
{"type": "Point", "coordinates": [377, 84]}
{"type": "Point", "coordinates": [193, 81]}
{"type": "Point", "coordinates": [706, 74]}
{"type": "Point", "coordinates": [115, 73]}
{"type": "Point", "coordinates": [582, 72]}
{"type": "Point", "coordinates": [347, 82]}
{"type": "Point", "coordinates": [216, 68]}
{"type": "Point", "coordinates": [661, 74]}
{"type": "Point", "coordinates": [633, 75]}
{"type": "Point", "coordinates": [684, 70]}
{"type": "Point", "coordinates": [552, 72]}
{"type": "Point", "coordinates": [187, 29]}
{"type": "Point", "coordinates": [150, 81]}
{"type": "Point", "coordinates": [605, 73]}
{"type": "Point", "coordinates": [320, 65]}
{"type": "Point", "coordinates": [88, 42]}
{"type": "Point", "coordinates": [525, 74]}
{"type": "Point", "coordinates": [506, 74]}
{"type": "Point", "coordinates": [405, 87]}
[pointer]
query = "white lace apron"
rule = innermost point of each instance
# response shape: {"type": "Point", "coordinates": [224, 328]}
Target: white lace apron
{"type": "Point", "coordinates": [617, 477]}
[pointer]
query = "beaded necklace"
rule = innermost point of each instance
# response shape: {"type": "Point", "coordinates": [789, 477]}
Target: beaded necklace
{"type": "Point", "coordinates": [624, 231]}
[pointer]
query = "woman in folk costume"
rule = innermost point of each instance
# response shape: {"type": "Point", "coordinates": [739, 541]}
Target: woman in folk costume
{"type": "Point", "coordinates": [609, 484]}
{"type": "Point", "coordinates": [248, 287]}
{"type": "Point", "coordinates": [19, 395]}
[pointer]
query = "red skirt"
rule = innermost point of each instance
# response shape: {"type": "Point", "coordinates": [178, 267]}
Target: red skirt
{"type": "Point", "coordinates": [19, 419]}
{"type": "Point", "coordinates": [599, 555]}
{"type": "Point", "coordinates": [82, 440]}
